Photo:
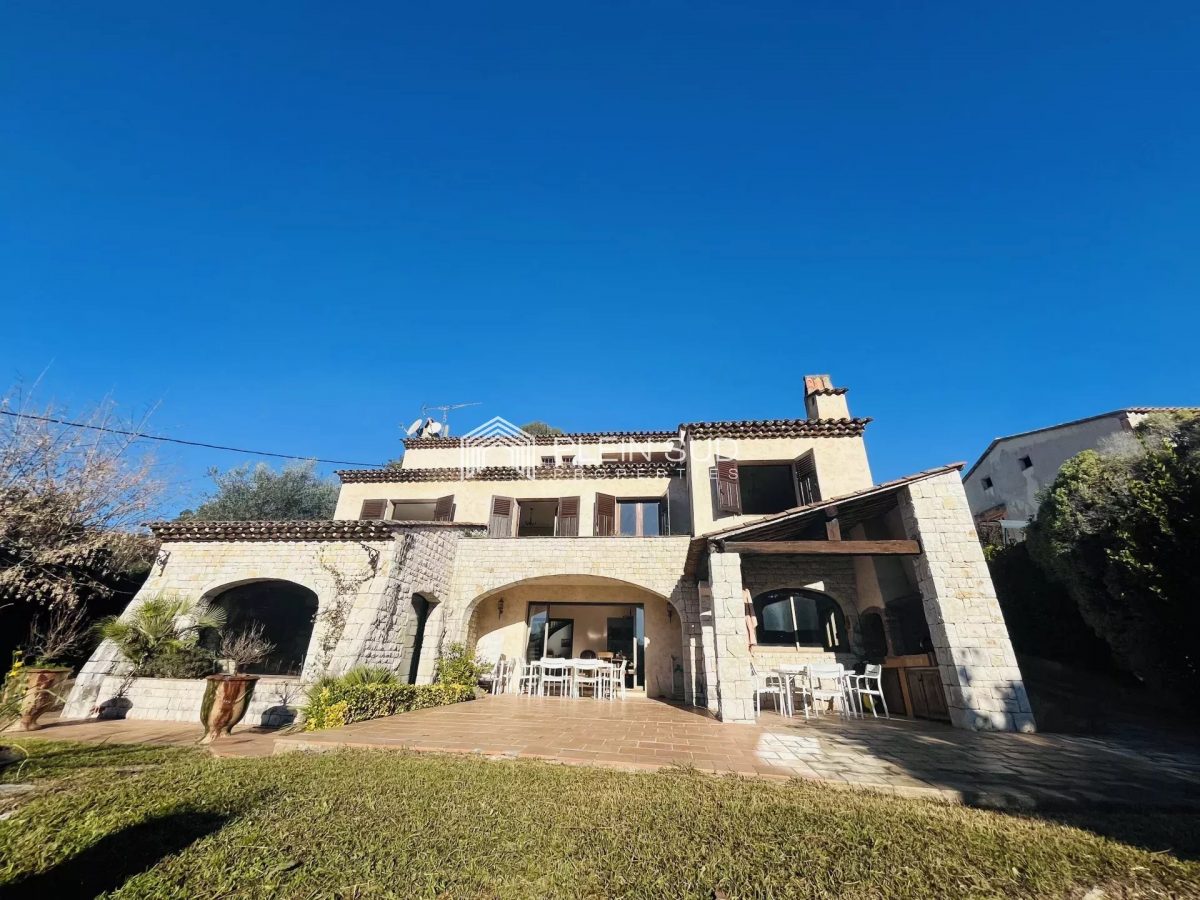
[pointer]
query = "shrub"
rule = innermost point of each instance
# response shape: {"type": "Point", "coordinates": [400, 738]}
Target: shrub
{"type": "Point", "coordinates": [185, 661]}
{"type": "Point", "coordinates": [457, 666]}
{"type": "Point", "coordinates": [361, 675]}
{"type": "Point", "coordinates": [331, 705]}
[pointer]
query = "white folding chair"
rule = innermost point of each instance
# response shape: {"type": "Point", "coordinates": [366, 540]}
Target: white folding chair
{"type": "Point", "coordinates": [587, 675]}
{"type": "Point", "coordinates": [770, 684]}
{"type": "Point", "coordinates": [869, 684]}
{"type": "Point", "coordinates": [501, 675]}
{"type": "Point", "coordinates": [555, 673]}
{"type": "Point", "coordinates": [529, 678]}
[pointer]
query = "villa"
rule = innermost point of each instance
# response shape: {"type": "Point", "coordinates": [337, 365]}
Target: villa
{"type": "Point", "coordinates": [705, 555]}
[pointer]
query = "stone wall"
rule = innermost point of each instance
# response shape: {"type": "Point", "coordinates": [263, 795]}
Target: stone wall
{"type": "Point", "coordinates": [276, 701]}
{"type": "Point", "coordinates": [983, 684]}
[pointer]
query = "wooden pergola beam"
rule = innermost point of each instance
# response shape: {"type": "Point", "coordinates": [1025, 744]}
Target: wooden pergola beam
{"type": "Point", "coordinates": [823, 548]}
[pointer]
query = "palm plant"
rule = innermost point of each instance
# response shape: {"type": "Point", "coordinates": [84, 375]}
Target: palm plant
{"type": "Point", "coordinates": [160, 625]}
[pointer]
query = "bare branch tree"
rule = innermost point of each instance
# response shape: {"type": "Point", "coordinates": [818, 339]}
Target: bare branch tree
{"type": "Point", "coordinates": [72, 501]}
{"type": "Point", "coordinates": [247, 646]}
{"type": "Point", "coordinates": [58, 634]}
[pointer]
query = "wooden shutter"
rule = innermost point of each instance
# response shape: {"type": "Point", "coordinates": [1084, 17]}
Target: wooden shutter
{"type": "Point", "coordinates": [500, 523]}
{"type": "Point", "coordinates": [443, 509]}
{"type": "Point", "coordinates": [729, 492]}
{"type": "Point", "coordinates": [804, 471]}
{"type": "Point", "coordinates": [606, 515]}
{"type": "Point", "coordinates": [373, 509]}
{"type": "Point", "coordinates": [664, 513]}
{"type": "Point", "coordinates": [567, 524]}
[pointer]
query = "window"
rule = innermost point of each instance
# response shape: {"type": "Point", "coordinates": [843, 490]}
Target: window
{"type": "Point", "coordinates": [568, 460]}
{"type": "Point", "coordinates": [413, 510]}
{"type": "Point", "coordinates": [987, 484]}
{"type": "Point", "coordinates": [1026, 463]}
{"type": "Point", "coordinates": [639, 518]}
{"type": "Point", "coordinates": [548, 462]}
{"type": "Point", "coordinates": [799, 618]}
{"type": "Point", "coordinates": [769, 488]}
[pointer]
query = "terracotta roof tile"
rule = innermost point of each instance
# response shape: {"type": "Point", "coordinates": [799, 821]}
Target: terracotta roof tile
{"type": "Point", "coordinates": [399, 475]}
{"type": "Point", "coordinates": [304, 530]}
{"type": "Point", "coordinates": [777, 428]}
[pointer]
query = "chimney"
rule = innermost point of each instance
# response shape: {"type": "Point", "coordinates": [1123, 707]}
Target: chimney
{"type": "Point", "coordinates": [822, 400]}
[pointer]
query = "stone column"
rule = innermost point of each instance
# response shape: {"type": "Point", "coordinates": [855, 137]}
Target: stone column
{"type": "Point", "coordinates": [983, 684]}
{"type": "Point", "coordinates": [734, 685]}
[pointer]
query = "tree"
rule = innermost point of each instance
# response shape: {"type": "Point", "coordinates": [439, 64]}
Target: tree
{"type": "Point", "coordinates": [260, 493]}
{"type": "Point", "coordinates": [541, 429]}
{"type": "Point", "coordinates": [1120, 529]}
{"type": "Point", "coordinates": [72, 501]}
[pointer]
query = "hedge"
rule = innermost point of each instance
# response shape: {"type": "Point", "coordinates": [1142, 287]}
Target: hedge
{"type": "Point", "coordinates": [334, 705]}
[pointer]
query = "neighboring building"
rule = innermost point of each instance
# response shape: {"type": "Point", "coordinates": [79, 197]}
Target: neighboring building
{"type": "Point", "coordinates": [1003, 486]}
{"type": "Point", "coordinates": [701, 554]}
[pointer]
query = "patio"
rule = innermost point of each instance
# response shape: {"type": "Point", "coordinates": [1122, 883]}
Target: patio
{"type": "Point", "coordinates": [898, 756]}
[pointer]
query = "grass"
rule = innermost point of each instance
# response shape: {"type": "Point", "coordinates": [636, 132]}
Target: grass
{"type": "Point", "coordinates": [381, 824]}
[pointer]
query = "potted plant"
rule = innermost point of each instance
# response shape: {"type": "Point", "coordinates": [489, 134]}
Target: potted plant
{"type": "Point", "coordinates": [52, 640]}
{"type": "Point", "coordinates": [227, 697]}
{"type": "Point", "coordinates": [160, 636]}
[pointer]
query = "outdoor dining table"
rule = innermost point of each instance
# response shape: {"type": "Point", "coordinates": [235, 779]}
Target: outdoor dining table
{"type": "Point", "coordinates": [787, 683]}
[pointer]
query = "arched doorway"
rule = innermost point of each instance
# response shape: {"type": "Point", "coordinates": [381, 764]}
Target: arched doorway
{"type": "Point", "coordinates": [286, 611]}
{"type": "Point", "coordinates": [416, 636]}
{"type": "Point", "coordinates": [874, 635]}
{"type": "Point", "coordinates": [584, 616]}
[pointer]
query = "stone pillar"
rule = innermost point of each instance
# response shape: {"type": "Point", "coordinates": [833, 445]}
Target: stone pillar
{"type": "Point", "coordinates": [705, 689]}
{"type": "Point", "coordinates": [731, 646]}
{"type": "Point", "coordinates": [983, 684]}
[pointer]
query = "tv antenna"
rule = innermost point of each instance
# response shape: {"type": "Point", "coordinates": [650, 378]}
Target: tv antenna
{"type": "Point", "coordinates": [427, 426]}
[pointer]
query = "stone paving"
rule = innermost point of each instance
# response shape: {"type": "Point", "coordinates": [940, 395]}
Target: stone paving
{"type": "Point", "coordinates": [897, 756]}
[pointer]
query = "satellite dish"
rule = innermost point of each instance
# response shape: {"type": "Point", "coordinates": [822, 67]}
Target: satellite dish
{"type": "Point", "coordinates": [414, 428]}
{"type": "Point", "coordinates": [434, 427]}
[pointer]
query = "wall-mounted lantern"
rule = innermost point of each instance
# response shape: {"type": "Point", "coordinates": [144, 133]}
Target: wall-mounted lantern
{"type": "Point", "coordinates": [500, 608]}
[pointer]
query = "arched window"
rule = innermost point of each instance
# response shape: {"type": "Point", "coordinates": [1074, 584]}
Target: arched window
{"type": "Point", "coordinates": [287, 612]}
{"type": "Point", "coordinates": [800, 618]}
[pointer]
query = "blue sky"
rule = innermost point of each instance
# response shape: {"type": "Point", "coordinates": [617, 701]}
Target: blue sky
{"type": "Point", "coordinates": [288, 226]}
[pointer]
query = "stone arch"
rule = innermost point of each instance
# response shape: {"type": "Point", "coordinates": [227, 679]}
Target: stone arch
{"type": "Point", "coordinates": [674, 599]}
{"type": "Point", "coordinates": [875, 632]}
{"type": "Point", "coordinates": [845, 609]}
{"type": "Point", "coordinates": [286, 609]}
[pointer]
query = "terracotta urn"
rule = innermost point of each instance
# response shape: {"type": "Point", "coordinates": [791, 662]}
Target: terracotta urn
{"type": "Point", "coordinates": [42, 691]}
{"type": "Point", "coordinates": [226, 698]}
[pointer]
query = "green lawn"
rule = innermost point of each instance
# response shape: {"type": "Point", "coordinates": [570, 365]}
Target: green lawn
{"type": "Point", "coordinates": [172, 823]}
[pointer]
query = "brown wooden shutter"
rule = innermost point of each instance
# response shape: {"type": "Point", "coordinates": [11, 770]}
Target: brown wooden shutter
{"type": "Point", "coordinates": [664, 513]}
{"type": "Point", "coordinates": [373, 509]}
{"type": "Point", "coordinates": [500, 523]}
{"type": "Point", "coordinates": [606, 515]}
{"type": "Point", "coordinates": [804, 471]}
{"type": "Point", "coordinates": [568, 517]}
{"type": "Point", "coordinates": [443, 509]}
{"type": "Point", "coordinates": [729, 492]}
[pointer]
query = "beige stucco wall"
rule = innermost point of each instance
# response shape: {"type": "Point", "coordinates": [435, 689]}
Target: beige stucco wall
{"type": "Point", "coordinates": [473, 499]}
{"type": "Point", "coordinates": [841, 464]}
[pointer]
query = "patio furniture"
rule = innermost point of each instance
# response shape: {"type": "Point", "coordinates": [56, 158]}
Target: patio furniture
{"type": "Point", "coordinates": [555, 673]}
{"type": "Point", "coordinates": [529, 678]}
{"type": "Point", "coordinates": [770, 684]}
{"type": "Point", "coordinates": [501, 675]}
{"type": "Point", "coordinates": [827, 683]}
{"type": "Point", "coordinates": [869, 684]}
{"type": "Point", "coordinates": [793, 680]}
{"type": "Point", "coordinates": [587, 675]}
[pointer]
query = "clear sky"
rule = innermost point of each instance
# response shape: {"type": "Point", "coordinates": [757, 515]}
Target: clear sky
{"type": "Point", "coordinates": [287, 226]}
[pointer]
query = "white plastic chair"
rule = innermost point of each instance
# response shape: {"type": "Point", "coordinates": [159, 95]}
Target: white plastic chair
{"type": "Point", "coordinates": [500, 675]}
{"type": "Point", "coordinates": [617, 676]}
{"type": "Point", "coordinates": [555, 672]}
{"type": "Point", "coordinates": [828, 683]}
{"type": "Point", "coordinates": [861, 686]}
{"type": "Point", "coordinates": [587, 675]}
{"type": "Point", "coordinates": [770, 684]}
{"type": "Point", "coordinates": [529, 678]}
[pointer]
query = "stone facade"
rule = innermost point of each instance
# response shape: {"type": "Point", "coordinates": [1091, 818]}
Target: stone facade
{"type": "Point", "coordinates": [983, 684]}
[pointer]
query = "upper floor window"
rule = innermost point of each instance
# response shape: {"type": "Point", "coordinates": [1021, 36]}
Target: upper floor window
{"type": "Point", "coordinates": [800, 618]}
{"type": "Point", "coordinates": [640, 518]}
{"type": "Point", "coordinates": [439, 510]}
{"type": "Point", "coordinates": [762, 488]}
{"type": "Point", "coordinates": [548, 462]}
{"type": "Point", "coordinates": [1026, 463]}
{"type": "Point", "coordinates": [986, 483]}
